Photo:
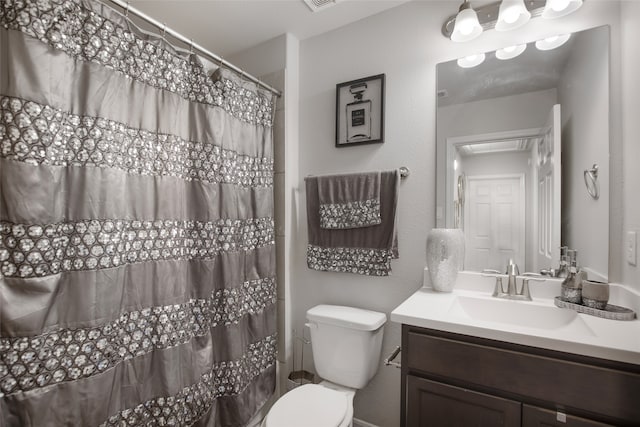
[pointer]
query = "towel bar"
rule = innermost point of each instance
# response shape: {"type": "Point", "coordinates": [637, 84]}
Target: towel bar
{"type": "Point", "coordinates": [404, 172]}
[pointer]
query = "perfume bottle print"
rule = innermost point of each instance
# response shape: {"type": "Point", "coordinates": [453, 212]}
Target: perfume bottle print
{"type": "Point", "coordinates": [358, 114]}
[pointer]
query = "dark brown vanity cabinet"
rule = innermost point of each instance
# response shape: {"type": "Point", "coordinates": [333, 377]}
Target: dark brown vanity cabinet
{"type": "Point", "coordinates": [451, 380]}
{"type": "Point", "coordinates": [432, 403]}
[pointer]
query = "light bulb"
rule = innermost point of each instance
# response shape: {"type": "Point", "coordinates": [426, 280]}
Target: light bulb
{"type": "Point", "coordinates": [552, 42]}
{"type": "Point", "coordinates": [511, 15]}
{"type": "Point", "coordinates": [471, 60]}
{"type": "Point", "coordinates": [466, 25]}
{"type": "Point", "coordinates": [510, 51]}
{"type": "Point", "coordinates": [559, 5]}
{"type": "Point", "coordinates": [557, 8]}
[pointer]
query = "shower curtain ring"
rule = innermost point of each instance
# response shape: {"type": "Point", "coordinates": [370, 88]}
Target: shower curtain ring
{"type": "Point", "coordinates": [191, 46]}
{"type": "Point", "coordinates": [126, 10]}
{"type": "Point", "coordinates": [220, 63]}
{"type": "Point", "coordinates": [164, 29]}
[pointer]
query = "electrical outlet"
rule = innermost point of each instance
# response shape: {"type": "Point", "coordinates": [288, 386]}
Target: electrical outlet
{"type": "Point", "coordinates": [632, 246]}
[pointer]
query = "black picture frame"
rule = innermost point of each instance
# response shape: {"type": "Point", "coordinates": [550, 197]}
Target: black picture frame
{"type": "Point", "coordinates": [360, 111]}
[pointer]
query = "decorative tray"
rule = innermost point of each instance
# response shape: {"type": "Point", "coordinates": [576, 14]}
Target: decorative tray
{"type": "Point", "coordinates": [613, 312]}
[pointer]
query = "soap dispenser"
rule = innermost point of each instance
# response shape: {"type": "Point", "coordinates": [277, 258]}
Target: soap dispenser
{"type": "Point", "coordinates": [563, 270]}
{"type": "Point", "coordinates": [572, 284]}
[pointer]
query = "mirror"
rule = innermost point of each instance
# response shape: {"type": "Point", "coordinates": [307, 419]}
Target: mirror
{"type": "Point", "coordinates": [517, 141]}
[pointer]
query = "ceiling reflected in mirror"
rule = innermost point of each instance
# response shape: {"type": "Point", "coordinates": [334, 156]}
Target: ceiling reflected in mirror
{"type": "Point", "coordinates": [493, 78]}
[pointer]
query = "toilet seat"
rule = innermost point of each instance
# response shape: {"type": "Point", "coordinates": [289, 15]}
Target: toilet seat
{"type": "Point", "coordinates": [311, 405]}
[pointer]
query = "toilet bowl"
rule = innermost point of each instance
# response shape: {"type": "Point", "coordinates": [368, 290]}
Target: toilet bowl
{"type": "Point", "coordinates": [346, 343]}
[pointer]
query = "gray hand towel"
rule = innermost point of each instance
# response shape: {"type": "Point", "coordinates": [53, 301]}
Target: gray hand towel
{"type": "Point", "coordinates": [350, 200]}
{"type": "Point", "coordinates": [365, 250]}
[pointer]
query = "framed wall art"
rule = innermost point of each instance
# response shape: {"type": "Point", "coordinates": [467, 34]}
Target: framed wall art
{"type": "Point", "coordinates": [360, 111]}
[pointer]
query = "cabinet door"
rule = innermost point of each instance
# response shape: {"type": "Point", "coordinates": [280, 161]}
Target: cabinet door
{"type": "Point", "coordinates": [433, 404]}
{"type": "Point", "coordinates": [532, 416]}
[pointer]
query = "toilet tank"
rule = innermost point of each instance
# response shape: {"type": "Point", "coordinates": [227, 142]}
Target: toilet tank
{"type": "Point", "coordinates": [346, 343]}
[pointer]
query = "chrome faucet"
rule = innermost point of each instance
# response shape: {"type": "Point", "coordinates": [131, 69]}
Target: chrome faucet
{"type": "Point", "coordinates": [512, 275]}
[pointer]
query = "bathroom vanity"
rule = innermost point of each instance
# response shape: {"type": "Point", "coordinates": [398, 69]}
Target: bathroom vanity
{"type": "Point", "coordinates": [469, 359]}
{"type": "Point", "coordinates": [472, 360]}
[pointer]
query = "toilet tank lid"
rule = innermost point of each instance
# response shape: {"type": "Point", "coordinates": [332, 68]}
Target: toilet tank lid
{"type": "Point", "coordinates": [347, 317]}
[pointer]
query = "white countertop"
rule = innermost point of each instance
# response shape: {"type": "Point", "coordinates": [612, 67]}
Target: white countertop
{"type": "Point", "coordinates": [532, 323]}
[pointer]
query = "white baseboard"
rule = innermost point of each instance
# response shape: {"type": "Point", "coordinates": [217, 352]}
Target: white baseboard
{"type": "Point", "coordinates": [360, 423]}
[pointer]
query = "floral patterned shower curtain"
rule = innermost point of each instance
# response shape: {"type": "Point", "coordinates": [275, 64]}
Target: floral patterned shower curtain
{"type": "Point", "coordinates": [136, 227]}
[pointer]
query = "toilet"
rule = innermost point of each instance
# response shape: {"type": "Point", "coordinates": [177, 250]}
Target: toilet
{"type": "Point", "coordinates": [346, 343]}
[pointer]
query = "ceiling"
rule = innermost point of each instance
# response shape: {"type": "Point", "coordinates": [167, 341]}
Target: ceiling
{"type": "Point", "coordinates": [227, 27]}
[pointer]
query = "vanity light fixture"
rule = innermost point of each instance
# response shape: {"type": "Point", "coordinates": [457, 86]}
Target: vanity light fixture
{"type": "Point", "coordinates": [466, 25]}
{"type": "Point", "coordinates": [471, 60]}
{"type": "Point", "coordinates": [552, 42]}
{"type": "Point", "coordinates": [510, 51]}
{"type": "Point", "coordinates": [557, 8]}
{"type": "Point", "coordinates": [513, 14]}
{"type": "Point", "coordinates": [503, 15]}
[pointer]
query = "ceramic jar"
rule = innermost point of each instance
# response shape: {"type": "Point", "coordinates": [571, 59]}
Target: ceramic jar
{"type": "Point", "coordinates": [445, 256]}
{"type": "Point", "coordinates": [595, 294]}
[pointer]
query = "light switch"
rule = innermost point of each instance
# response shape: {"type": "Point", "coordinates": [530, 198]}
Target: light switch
{"type": "Point", "coordinates": [632, 246]}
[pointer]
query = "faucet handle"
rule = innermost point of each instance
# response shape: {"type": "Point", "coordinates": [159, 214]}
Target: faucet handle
{"type": "Point", "coordinates": [533, 276]}
{"type": "Point", "coordinates": [487, 272]}
{"type": "Point", "coordinates": [525, 290]}
{"type": "Point", "coordinates": [498, 289]}
{"type": "Point", "coordinates": [526, 277]}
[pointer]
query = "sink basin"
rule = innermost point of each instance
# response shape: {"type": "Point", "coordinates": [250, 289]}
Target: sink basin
{"type": "Point", "coordinates": [471, 310]}
{"type": "Point", "coordinates": [517, 313]}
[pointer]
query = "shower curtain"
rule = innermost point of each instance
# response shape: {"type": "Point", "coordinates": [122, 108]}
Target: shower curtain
{"type": "Point", "coordinates": [136, 227]}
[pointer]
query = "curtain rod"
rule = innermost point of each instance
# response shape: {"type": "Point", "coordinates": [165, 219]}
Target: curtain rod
{"type": "Point", "coordinates": [212, 56]}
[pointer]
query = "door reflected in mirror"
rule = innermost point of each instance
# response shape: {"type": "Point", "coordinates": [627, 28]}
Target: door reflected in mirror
{"type": "Point", "coordinates": [514, 137]}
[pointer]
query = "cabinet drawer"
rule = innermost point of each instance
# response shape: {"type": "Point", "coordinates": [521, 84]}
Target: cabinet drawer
{"type": "Point", "coordinates": [592, 389]}
{"type": "Point", "coordinates": [532, 416]}
{"type": "Point", "coordinates": [432, 404]}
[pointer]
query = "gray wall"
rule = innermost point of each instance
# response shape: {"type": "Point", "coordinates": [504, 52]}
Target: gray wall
{"type": "Point", "coordinates": [629, 214]}
{"type": "Point", "coordinates": [405, 43]}
{"type": "Point", "coordinates": [585, 131]}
